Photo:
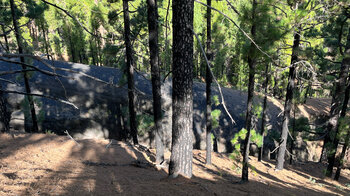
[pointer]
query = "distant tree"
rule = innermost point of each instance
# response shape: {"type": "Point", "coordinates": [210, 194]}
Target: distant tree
{"type": "Point", "coordinates": [130, 73]}
{"type": "Point", "coordinates": [288, 101]}
{"type": "Point", "coordinates": [156, 85]}
{"type": "Point", "coordinates": [249, 113]}
{"type": "Point", "coordinates": [336, 109]}
{"type": "Point", "coordinates": [264, 111]}
{"type": "Point", "coordinates": [347, 137]}
{"type": "Point", "coordinates": [34, 127]}
{"type": "Point", "coordinates": [182, 98]}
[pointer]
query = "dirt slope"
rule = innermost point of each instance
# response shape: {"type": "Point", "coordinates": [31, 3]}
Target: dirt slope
{"type": "Point", "coordinates": [55, 165]}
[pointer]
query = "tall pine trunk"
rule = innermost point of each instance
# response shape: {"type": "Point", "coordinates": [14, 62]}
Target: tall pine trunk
{"type": "Point", "coordinates": [182, 98]}
{"type": "Point", "coordinates": [156, 85]}
{"type": "Point", "coordinates": [346, 142]}
{"type": "Point", "coordinates": [288, 102]}
{"type": "Point", "coordinates": [249, 114]}
{"type": "Point", "coordinates": [208, 87]}
{"type": "Point", "coordinates": [130, 70]}
{"type": "Point", "coordinates": [335, 113]}
{"type": "Point", "coordinates": [263, 120]}
{"type": "Point", "coordinates": [34, 127]}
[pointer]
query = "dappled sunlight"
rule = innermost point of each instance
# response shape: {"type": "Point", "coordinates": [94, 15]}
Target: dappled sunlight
{"type": "Point", "coordinates": [50, 164]}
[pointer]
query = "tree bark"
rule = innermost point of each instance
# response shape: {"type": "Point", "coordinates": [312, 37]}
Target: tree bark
{"type": "Point", "coordinates": [4, 114]}
{"type": "Point", "coordinates": [130, 68]}
{"type": "Point", "coordinates": [249, 114]}
{"type": "Point", "coordinates": [263, 120]}
{"type": "Point", "coordinates": [335, 113]}
{"type": "Point", "coordinates": [288, 102]}
{"type": "Point", "coordinates": [34, 127]}
{"type": "Point", "coordinates": [346, 142]}
{"type": "Point", "coordinates": [208, 88]}
{"type": "Point", "coordinates": [182, 98]}
{"type": "Point", "coordinates": [45, 42]}
{"type": "Point", "coordinates": [6, 40]}
{"type": "Point", "coordinates": [156, 85]}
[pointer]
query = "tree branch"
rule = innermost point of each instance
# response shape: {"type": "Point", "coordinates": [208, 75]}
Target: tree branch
{"type": "Point", "coordinates": [41, 95]}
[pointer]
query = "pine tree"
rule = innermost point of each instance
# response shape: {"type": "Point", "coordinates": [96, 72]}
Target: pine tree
{"type": "Point", "coordinates": [156, 85]}
{"type": "Point", "coordinates": [208, 80]}
{"type": "Point", "coordinates": [34, 127]}
{"type": "Point", "coordinates": [182, 98]}
{"type": "Point", "coordinates": [130, 73]}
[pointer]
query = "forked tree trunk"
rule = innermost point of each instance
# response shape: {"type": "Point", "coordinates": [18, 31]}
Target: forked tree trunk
{"type": "Point", "coordinates": [34, 127]}
{"type": "Point", "coordinates": [182, 98]}
{"type": "Point", "coordinates": [208, 87]}
{"type": "Point", "coordinates": [346, 141]}
{"type": "Point", "coordinates": [130, 68]}
{"type": "Point", "coordinates": [288, 102]}
{"type": "Point", "coordinates": [156, 86]}
{"type": "Point", "coordinates": [337, 102]}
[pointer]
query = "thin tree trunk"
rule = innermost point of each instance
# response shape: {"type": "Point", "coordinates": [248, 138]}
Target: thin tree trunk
{"type": "Point", "coordinates": [156, 85]}
{"type": "Point", "coordinates": [263, 120]}
{"type": "Point", "coordinates": [346, 142]}
{"type": "Point", "coordinates": [288, 102]}
{"type": "Point", "coordinates": [130, 68]}
{"type": "Point", "coordinates": [6, 40]}
{"type": "Point", "coordinates": [293, 135]}
{"type": "Point", "coordinates": [4, 114]}
{"type": "Point", "coordinates": [249, 114]}
{"type": "Point", "coordinates": [34, 127]}
{"type": "Point", "coordinates": [45, 42]}
{"type": "Point", "coordinates": [208, 87]}
{"type": "Point", "coordinates": [182, 98]}
{"type": "Point", "coordinates": [335, 113]}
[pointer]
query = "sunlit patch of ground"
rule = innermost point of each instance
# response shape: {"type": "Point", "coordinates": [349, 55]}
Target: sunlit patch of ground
{"type": "Point", "coordinates": [37, 164]}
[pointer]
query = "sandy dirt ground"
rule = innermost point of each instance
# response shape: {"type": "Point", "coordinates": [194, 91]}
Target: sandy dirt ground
{"type": "Point", "coordinates": [38, 164]}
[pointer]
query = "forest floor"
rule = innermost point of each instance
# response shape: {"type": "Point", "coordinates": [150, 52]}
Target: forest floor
{"type": "Point", "coordinates": [38, 164]}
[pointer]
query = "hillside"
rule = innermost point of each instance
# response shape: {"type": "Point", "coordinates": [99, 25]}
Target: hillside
{"type": "Point", "coordinates": [37, 164]}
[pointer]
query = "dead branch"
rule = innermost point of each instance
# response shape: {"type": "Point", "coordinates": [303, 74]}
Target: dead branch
{"type": "Point", "coordinates": [279, 145]}
{"type": "Point", "coordinates": [41, 95]}
{"type": "Point", "coordinates": [66, 132]}
{"type": "Point", "coordinates": [245, 34]}
{"type": "Point", "coordinates": [74, 18]}
{"type": "Point", "coordinates": [208, 64]}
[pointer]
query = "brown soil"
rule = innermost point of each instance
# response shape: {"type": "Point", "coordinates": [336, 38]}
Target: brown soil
{"type": "Point", "coordinates": [37, 164]}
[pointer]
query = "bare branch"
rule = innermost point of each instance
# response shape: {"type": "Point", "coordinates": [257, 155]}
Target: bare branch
{"type": "Point", "coordinates": [41, 95]}
{"type": "Point", "coordinates": [71, 16]}
{"type": "Point", "coordinates": [245, 34]}
{"type": "Point", "coordinates": [208, 64]}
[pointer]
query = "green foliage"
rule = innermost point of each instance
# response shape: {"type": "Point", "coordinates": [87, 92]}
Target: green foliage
{"type": "Point", "coordinates": [144, 123]}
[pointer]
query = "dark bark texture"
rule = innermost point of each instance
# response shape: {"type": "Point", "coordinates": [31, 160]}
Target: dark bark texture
{"type": "Point", "coordinates": [263, 120]}
{"type": "Point", "coordinates": [130, 73]}
{"type": "Point", "coordinates": [347, 137]}
{"type": "Point", "coordinates": [249, 114]}
{"type": "Point", "coordinates": [208, 81]}
{"type": "Point", "coordinates": [5, 116]}
{"type": "Point", "coordinates": [288, 102]}
{"type": "Point", "coordinates": [182, 98]}
{"type": "Point", "coordinates": [337, 103]}
{"type": "Point", "coordinates": [34, 127]}
{"type": "Point", "coordinates": [156, 86]}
